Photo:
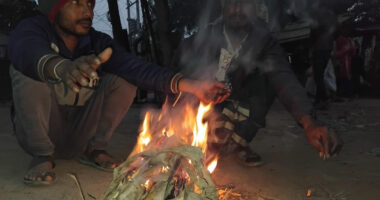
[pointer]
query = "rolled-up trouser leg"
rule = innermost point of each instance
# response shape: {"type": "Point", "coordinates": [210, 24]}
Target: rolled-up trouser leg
{"type": "Point", "coordinates": [94, 123]}
{"type": "Point", "coordinates": [246, 130]}
{"type": "Point", "coordinates": [33, 103]}
{"type": "Point", "coordinates": [259, 95]}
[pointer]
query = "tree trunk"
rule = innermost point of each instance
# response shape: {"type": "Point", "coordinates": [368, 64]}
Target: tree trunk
{"type": "Point", "coordinates": [163, 29]}
{"type": "Point", "coordinates": [119, 34]}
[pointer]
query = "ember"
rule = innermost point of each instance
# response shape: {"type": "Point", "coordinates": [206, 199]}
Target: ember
{"type": "Point", "coordinates": [167, 162]}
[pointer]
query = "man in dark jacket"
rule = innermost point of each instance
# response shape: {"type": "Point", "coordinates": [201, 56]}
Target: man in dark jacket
{"type": "Point", "coordinates": [72, 85]}
{"type": "Point", "coordinates": [238, 50]}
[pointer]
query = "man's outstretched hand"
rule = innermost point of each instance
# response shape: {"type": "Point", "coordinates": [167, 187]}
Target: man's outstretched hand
{"type": "Point", "coordinates": [207, 91]}
{"type": "Point", "coordinates": [78, 73]}
{"type": "Point", "coordinates": [324, 140]}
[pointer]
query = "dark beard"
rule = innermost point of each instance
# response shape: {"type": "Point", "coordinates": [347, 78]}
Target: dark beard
{"type": "Point", "coordinates": [67, 30]}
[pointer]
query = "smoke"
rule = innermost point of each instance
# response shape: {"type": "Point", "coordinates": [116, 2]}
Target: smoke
{"type": "Point", "coordinates": [198, 54]}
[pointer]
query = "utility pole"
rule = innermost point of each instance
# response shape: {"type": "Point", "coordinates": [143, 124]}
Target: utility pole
{"type": "Point", "coordinates": [119, 34]}
{"type": "Point", "coordinates": [163, 30]}
{"type": "Point", "coordinates": [133, 23]}
{"type": "Point", "coordinates": [148, 24]}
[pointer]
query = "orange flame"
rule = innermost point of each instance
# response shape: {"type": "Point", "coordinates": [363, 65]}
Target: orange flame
{"type": "Point", "coordinates": [168, 132]}
{"type": "Point", "coordinates": [165, 169]}
{"type": "Point", "coordinates": [189, 128]}
{"type": "Point", "coordinates": [144, 137]}
{"type": "Point", "coordinates": [200, 128]}
{"type": "Point", "coordinates": [148, 184]}
{"type": "Point", "coordinates": [212, 166]}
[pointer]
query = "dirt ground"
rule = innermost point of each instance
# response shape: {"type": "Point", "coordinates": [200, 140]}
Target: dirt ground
{"type": "Point", "coordinates": [292, 165]}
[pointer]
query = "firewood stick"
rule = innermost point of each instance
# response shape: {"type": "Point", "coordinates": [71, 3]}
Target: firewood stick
{"type": "Point", "coordinates": [77, 183]}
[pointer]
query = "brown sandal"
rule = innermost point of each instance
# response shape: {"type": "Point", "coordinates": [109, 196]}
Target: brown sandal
{"type": "Point", "coordinates": [93, 159]}
{"type": "Point", "coordinates": [41, 167]}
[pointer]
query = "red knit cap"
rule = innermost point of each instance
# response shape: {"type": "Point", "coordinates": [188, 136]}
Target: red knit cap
{"type": "Point", "coordinates": [53, 11]}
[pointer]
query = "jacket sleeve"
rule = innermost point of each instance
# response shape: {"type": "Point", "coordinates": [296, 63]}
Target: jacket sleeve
{"type": "Point", "coordinates": [283, 80]}
{"type": "Point", "coordinates": [28, 43]}
{"type": "Point", "coordinates": [134, 70]}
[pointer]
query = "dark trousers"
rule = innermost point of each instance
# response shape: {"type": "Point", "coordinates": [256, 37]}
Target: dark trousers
{"type": "Point", "coordinates": [257, 95]}
{"type": "Point", "coordinates": [43, 127]}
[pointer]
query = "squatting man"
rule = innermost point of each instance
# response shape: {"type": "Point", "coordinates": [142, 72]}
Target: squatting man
{"type": "Point", "coordinates": [72, 85]}
{"type": "Point", "coordinates": [238, 50]}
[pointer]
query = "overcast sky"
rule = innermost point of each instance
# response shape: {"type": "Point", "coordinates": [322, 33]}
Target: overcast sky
{"type": "Point", "coordinates": [101, 22]}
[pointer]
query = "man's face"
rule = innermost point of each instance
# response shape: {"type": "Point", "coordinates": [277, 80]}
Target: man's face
{"type": "Point", "coordinates": [238, 13]}
{"type": "Point", "coordinates": [76, 17]}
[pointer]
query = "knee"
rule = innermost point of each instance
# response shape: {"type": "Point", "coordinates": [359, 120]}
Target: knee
{"type": "Point", "coordinates": [29, 94]}
{"type": "Point", "coordinates": [121, 88]}
{"type": "Point", "coordinates": [24, 86]}
{"type": "Point", "coordinates": [128, 89]}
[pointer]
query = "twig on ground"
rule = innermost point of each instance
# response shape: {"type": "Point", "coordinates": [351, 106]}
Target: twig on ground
{"type": "Point", "coordinates": [74, 176]}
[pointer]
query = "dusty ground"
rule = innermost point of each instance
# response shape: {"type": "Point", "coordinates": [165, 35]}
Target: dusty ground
{"type": "Point", "coordinates": [292, 166]}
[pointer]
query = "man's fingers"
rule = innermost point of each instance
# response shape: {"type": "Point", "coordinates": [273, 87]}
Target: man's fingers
{"type": "Point", "coordinates": [105, 55]}
{"type": "Point", "coordinates": [224, 98]}
{"type": "Point", "coordinates": [79, 78]}
{"type": "Point", "coordinates": [339, 145]}
{"type": "Point", "coordinates": [326, 143]}
{"type": "Point", "coordinates": [218, 100]}
{"type": "Point", "coordinates": [334, 142]}
{"type": "Point", "coordinates": [317, 144]}
{"type": "Point", "coordinates": [74, 87]}
{"type": "Point", "coordinates": [95, 61]}
{"type": "Point", "coordinates": [88, 67]}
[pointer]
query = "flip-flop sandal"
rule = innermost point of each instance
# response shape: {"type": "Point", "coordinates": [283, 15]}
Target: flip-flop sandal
{"type": "Point", "coordinates": [36, 171]}
{"type": "Point", "coordinates": [90, 160]}
{"type": "Point", "coordinates": [249, 158]}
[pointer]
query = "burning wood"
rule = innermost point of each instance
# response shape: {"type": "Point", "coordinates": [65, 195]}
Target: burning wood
{"type": "Point", "coordinates": [167, 162]}
{"type": "Point", "coordinates": [163, 175]}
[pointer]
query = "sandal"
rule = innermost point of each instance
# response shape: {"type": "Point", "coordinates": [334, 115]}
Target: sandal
{"type": "Point", "coordinates": [99, 159]}
{"type": "Point", "coordinates": [40, 171]}
{"type": "Point", "coordinates": [248, 157]}
{"type": "Point", "coordinates": [244, 154]}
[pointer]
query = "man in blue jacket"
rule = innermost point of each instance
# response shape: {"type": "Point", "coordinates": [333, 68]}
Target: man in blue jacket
{"type": "Point", "coordinates": [72, 85]}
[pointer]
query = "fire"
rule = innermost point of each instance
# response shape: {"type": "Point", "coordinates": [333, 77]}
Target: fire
{"type": "Point", "coordinates": [167, 132]}
{"type": "Point", "coordinates": [171, 152]}
{"type": "Point", "coordinates": [145, 135]}
{"type": "Point", "coordinates": [212, 166]}
{"type": "Point", "coordinates": [200, 128]}
{"type": "Point", "coordinates": [165, 169]}
{"type": "Point", "coordinates": [189, 128]}
{"type": "Point", "coordinates": [148, 184]}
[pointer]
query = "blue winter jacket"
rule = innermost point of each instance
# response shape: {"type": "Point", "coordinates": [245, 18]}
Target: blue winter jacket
{"type": "Point", "coordinates": [34, 37]}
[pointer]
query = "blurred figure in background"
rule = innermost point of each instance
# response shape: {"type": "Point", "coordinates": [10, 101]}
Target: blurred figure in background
{"type": "Point", "coordinates": [343, 52]}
